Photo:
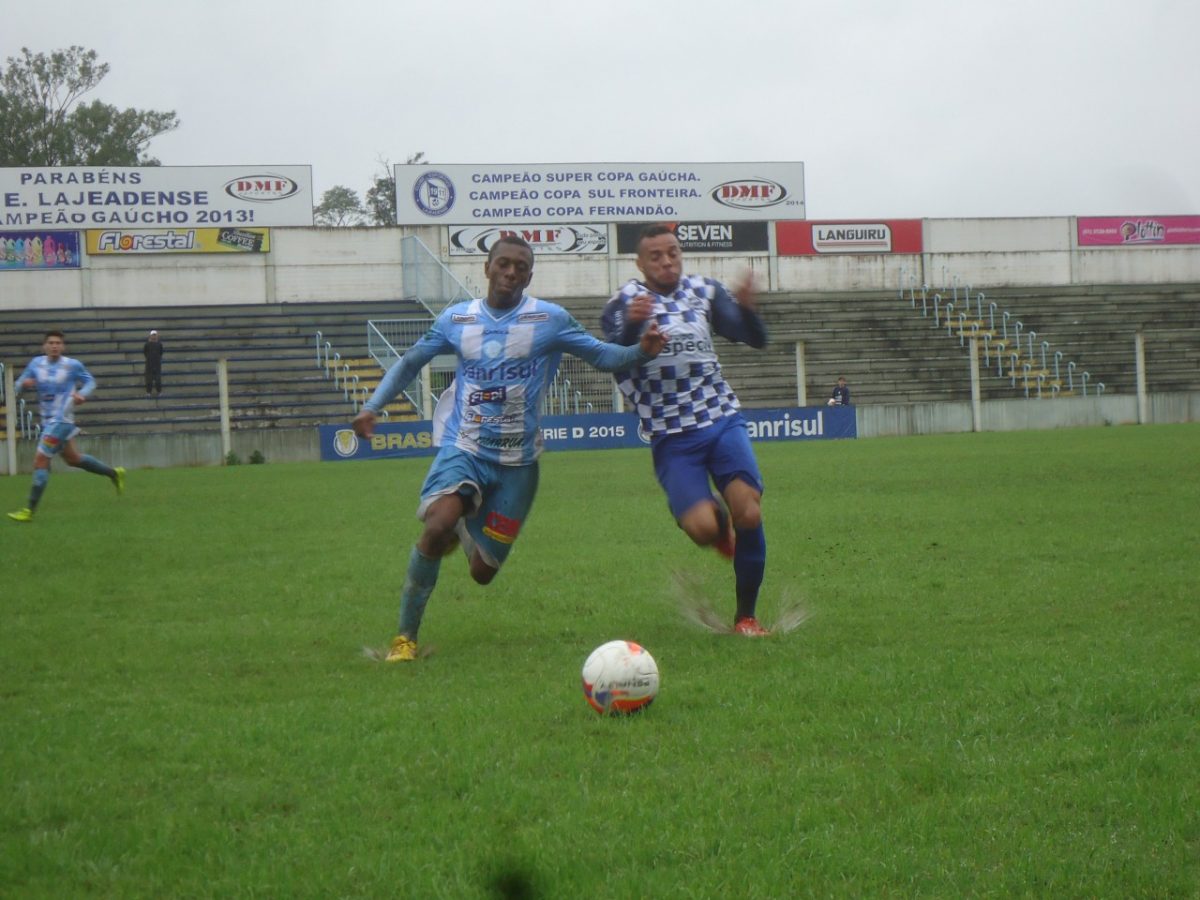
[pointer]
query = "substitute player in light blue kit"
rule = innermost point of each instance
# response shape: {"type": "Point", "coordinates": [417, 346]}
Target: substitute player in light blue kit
{"type": "Point", "coordinates": [62, 383]}
{"type": "Point", "coordinates": [481, 485]}
{"type": "Point", "coordinates": [691, 414]}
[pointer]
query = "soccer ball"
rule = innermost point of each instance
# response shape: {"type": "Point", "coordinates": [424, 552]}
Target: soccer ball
{"type": "Point", "coordinates": [620, 677]}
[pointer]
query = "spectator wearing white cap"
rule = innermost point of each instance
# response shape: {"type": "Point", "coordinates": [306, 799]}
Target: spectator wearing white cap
{"type": "Point", "coordinates": [152, 350]}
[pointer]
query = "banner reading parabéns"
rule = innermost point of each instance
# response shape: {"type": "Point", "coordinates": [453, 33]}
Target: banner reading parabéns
{"type": "Point", "coordinates": [155, 196]}
{"type": "Point", "coordinates": [598, 192]}
{"type": "Point", "coordinates": [596, 431]}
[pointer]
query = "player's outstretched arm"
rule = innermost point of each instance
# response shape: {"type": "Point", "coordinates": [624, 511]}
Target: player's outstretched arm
{"type": "Point", "coordinates": [737, 321]}
{"type": "Point", "coordinates": [652, 341]}
{"type": "Point", "coordinates": [746, 292]}
{"type": "Point", "coordinates": [364, 423]}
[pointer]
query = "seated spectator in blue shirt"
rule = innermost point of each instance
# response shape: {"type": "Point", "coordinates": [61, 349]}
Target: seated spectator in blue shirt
{"type": "Point", "coordinates": [841, 393]}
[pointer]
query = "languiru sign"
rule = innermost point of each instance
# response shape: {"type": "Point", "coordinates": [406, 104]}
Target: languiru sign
{"type": "Point", "coordinates": [91, 197]}
{"type": "Point", "coordinates": [598, 193]}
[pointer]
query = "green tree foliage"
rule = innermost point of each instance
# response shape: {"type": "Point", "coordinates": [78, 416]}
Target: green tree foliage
{"type": "Point", "coordinates": [339, 207]}
{"type": "Point", "coordinates": [44, 124]}
{"type": "Point", "coordinates": [381, 195]}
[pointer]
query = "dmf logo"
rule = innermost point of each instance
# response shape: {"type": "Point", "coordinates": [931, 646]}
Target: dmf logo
{"type": "Point", "coordinates": [749, 193]}
{"type": "Point", "coordinates": [261, 188]}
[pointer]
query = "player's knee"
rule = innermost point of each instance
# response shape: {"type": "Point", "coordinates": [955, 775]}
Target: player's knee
{"type": "Point", "coordinates": [702, 531]}
{"type": "Point", "coordinates": [481, 572]}
{"type": "Point", "coordinates": [748, 516]}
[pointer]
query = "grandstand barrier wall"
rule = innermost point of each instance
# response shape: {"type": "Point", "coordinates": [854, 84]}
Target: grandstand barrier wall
{"type": "Point", "coordinates": [333, 264]}
{"type": "Point", "coordinates": [282, 445]}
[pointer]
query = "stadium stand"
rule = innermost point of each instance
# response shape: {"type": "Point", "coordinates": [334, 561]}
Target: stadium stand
{"type": "Point", "coordinates": [891, 354]}
{"type": "Point", "coordinates": [277, 378]}
{"type": "Point", "coordinates": [882, 343]}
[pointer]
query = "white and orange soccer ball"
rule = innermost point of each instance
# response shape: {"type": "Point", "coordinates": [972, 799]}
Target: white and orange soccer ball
{"type": "Point", "coordinates": [620, 678]}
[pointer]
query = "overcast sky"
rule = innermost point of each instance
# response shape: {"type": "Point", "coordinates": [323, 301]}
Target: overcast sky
{"type": "Point", "coordinates": [897, 108]}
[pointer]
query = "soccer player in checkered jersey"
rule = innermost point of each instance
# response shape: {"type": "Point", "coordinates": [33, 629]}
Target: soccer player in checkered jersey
{"type": "Point", "coordinates": [481, 485]}
{"type": "Point", "coordinates": [62, 383]}
{"type": "Point", "coordinates": [691, 414]}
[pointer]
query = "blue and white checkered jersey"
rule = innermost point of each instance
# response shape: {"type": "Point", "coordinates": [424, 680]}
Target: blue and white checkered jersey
{"type": "Point", "coordinates": [56, 382]}
{"type": "Point", "coordinates": [506, 360]}
{"type": "Point", "coordinates": [682, 389]}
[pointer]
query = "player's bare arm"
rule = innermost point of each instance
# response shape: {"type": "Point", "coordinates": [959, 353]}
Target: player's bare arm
{"type": "Point", "coordinates": [640, 308]}
{"type": "Point", "coordinates": [746, 293]}
{"type": "Point", "coordinates": [653, 340]}
{"type": "Point", "coordinates": [364, 423]}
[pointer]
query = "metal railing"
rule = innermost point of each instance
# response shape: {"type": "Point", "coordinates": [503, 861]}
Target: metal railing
{"type": "Point", "coordinates": [387, 342]}
{"type": "Point", "coordinates": [426, 280]}
{"type": "Point", "coordinates": [578, 388]}
{"type": "Point", "coordinates": [1005, 347]}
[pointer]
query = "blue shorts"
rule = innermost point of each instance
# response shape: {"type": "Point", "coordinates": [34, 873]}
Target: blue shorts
{"type": "Point", "coordinates": [55, 437]}
{"type": "Point", "coordinates": [498, 498]}
{"type": "Point", "coordinates": [684, 462]}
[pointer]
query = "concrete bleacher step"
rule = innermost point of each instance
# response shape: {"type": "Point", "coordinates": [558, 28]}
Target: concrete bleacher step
{"type": "Point", "coordinates": [369, 375]}
{"type": "Point", "coordinates": [888, 351]}
{"type": "Point", "coordinates": [271, 351]}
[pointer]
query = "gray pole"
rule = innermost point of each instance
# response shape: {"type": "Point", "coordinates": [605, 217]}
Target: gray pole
{"type": "Point", "coordinates": [10, 420]}
{"type": "Point", "coordinates": [1143, 405]}
{"type": "Point", "coordinates": [223, 391]}
{"type": "Point", "coordinates": [976, 406]}
{"type": "Point", "coordinates": [801, 376]}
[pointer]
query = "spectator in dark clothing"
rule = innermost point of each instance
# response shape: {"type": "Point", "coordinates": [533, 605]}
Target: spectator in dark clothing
{"type": "Point", "coordinates": [841, 393]}
{"type": "Point", "coordinates": [153, 351]}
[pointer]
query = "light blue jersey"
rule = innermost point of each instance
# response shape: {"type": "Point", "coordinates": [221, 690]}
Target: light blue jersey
{"type": "Point", "coordinates": [506, 360]}
{"type": "Point", "coordinates": [56, 382]}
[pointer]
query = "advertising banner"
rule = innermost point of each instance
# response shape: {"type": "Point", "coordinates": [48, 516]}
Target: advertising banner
{"type": "Point", "coordinates": [1134, 231]}
{"type": "Point", "coordinates": [155, 196]}
{"type": "Point", "coordinates": [182, 240]}
{"type": "Point", "coordinates": [877, 236]}
{"type": "Point", "coordinates": [598, 431]}
{"type": "Point", "coordinates": [598, 192]}
{"type": "Point", "coordinates": [477, 240]}
{"type": "Point", "coordinates": [29, 250]}
{"type": "Point", "coordinates": [704, 237]}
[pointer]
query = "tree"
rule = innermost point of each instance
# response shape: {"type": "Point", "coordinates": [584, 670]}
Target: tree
{"type": "Point", "coordinates": [381, 195]}
{"type": "Point", "coordinates": [45, 125]}
{"type": "Point", "coordinates": [339, 207]}
{"type": "Point", "coordinates": [381, 200]}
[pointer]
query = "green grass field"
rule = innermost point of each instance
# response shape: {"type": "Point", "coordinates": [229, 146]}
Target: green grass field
{"type": "Point", "coordinates": [998, 693]}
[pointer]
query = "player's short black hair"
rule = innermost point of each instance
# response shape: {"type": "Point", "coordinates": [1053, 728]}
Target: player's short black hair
{"type": "Point", "coordinates": [653, 231]}
{"type": "Point", "coordinates": [54, 333]}
{"type": "Point", "coordinates": [509, 239]}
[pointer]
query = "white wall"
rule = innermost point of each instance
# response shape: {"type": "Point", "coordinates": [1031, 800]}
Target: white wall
{"type": "Point", "coordinates": [330, 264]}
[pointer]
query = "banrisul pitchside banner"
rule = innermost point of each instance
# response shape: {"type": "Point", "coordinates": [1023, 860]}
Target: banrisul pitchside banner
{"type": "Point", "coordinates": [598, 192]}
{"type": "Point", "coordinates": [596, 431]}
{"type": "Point", "coordinates": [155, 196]}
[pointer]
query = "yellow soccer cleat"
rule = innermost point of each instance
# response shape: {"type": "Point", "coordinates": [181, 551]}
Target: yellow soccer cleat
{"type": "Point", "coordinates": [403, 649]}
{"type": "Point", "coordinates": [119, 480]}
{"type": "Point", "coordinates": [21, 515]}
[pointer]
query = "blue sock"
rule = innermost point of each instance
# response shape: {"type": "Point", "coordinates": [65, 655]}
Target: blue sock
{"type": "Point", "coordinates": [93, 465]}
{"type": "Point", "coordinates": [40, 478]}
{"type": "Point", "coordinates": [419, 582]}
{"type": "Point", "coordinates": [749, 563]}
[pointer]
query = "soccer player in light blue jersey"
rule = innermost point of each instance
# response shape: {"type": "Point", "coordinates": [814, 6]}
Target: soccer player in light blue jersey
{"type": "Point", "coordinates": [482, 482]}
{"type": "Point", "coordinates": [62, 383]}
{"type": "Point", "coordinates": [697, 433]}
